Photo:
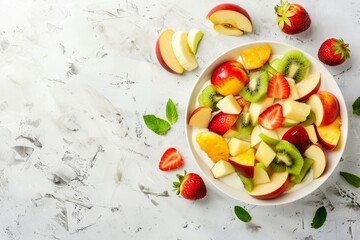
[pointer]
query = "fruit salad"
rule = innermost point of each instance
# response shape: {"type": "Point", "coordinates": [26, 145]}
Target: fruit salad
{"type": "Point", "coordinates": [264, 118]}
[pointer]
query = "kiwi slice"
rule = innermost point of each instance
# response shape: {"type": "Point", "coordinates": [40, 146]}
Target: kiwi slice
{"type": "Point", "coordinates": [294, 65]}
{"type": "Point", "coordinates": [278, 166]}
{"type": "Point", "coordinates": [309, 120]}
{"type": "Point", "coordinates": [209, 97]}
{"type": "Point", "coordinates": [243, 124]}
{"type": "Point", "coordinates": [248, 183]}
{"type": "Point", "coordinates": [256, 89]}
{"type": "Point", "coordinates": [304, 170]}
{"type": "Point", "coordinates": [290, 155]}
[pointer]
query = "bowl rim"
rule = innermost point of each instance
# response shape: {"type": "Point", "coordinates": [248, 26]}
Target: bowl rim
{"type": "Point", "coordinates": [343, 113]}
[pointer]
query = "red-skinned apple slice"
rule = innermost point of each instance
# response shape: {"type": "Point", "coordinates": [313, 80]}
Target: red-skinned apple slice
{"type": "Point", "coordinates": [329, 135]}
{"type": "Point", "coordinates": [309, 86]}
{"type": "Point", "coordinates": [230, 19]}
{"type": "Point", "coordinates": [277, 185]}
{"type": "Point", "coordinates": [325, 107]}
{"type": "Point", "coordinates": [222, 168]}
{"type": "Point", "coordinates": [318, 154]}
{"type": "Point", "coordinates": [165, 53]}
{"type": "Point", "coordinates": [200, 117]}
{"type": "Point", "coordinates": [244, 163]}
{"type": "Point", "coordinates": [298, 136]}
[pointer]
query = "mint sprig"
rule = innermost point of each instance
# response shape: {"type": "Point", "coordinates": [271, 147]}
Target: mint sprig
{"type": "Point", "coordinates": [319, 217]}
{"type": "Point", "coordinates": [242, 214]}
{"type": "Point", "coordinates": [157, 125]}
{"type": "Point", "coordinates": [351, 178]}
{"type": "Point", "coordinates": [171, 113]}
{"type": "Point", "coordinates": [356, 107]}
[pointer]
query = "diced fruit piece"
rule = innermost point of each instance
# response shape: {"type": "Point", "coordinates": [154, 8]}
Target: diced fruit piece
{"type": "Point", "coordinates": [244, 163]}
{"type": "Point", "coordinates": [209, 97]}
{"type": "Point", "coordinates": [229, 78]}
{"type": "Point", "coordinates": [222, 122]}
{"type": "Point", "coordinates": [165, 53]}
{"type": "Point", "coordinates": [278, 87]}
{"type": "Point", "coordinates": [294, 110]}
{"type": "Point", "coordinates": [325, 106]}
{"type": "Point", "coordinates": [275, 63]}
{"type": "Point", "coordinates": [229, 105]}
{"type": "Point", "coordinates": [257, 108]}
{"type": "Point", "coordinates": [297, 136]}
{"type": "Point", "coordinates": [194, 37]}
{"type": "Point", "coordinates": [213, 145]}
{"type": "Point", "coordinates": [255, 57]}
{"type": "Point", "coordinates": [222, 168]}
{"type": "Point", "coordinates": [232, 132]}
{"type": "Point", "coordinates": [243, 124]}
{"type": "Point", "coordinates": [308, 86]}
{"type": "Point", "coordinates": [294, 94]}
{"type": "Point", "coordinates": [269, 136]}
{"type": "Point", "coordinates": [312, 133]}
{"type": "Point", "coordinates": [248, 183]}
{"type": "Point", "coordinates": [305, 169]}
{"type": "Point", "coordinates": [200, 117]}
{"type": "Point", "coordinates": [272, 117]}
{"type": "Point", "coordinates": [230, 19]}
{"type": "Point", "coordinates": [290, 155]}
{"type": "Point", "coordinates": [309, 120]}
{"type": "Point", "coordinates": [277, 185]}
{"type": "Point", "coordinates": [289, 122]}
{"type": "Point", "coordinates": [333, 51]}
{"type": "Point", "coordinates": [255, 138]}
{"type": "Point", "coordinates": [171, 159]}
{"type": "Point", "coordinates": [256, 89]}
{"type": "Point", "coordinates": [281, 131]}
{"type": "Point", "coordinates": [243, 103]}
{"type": "Point", "coordinates": [278, 165]}
{"type": "Point", "coordinates": [294, 65]}
{"type": "Point", "coordinates": [190, 186]}
{"type": "Point", "coordinates": [182, 51]}
{"type": "Point", "coordinates": [292, 18]}
{"type": "Point", "coordinates": [265, 154]}
{"type": "Point", "coordinates": [260, 174]}
{"type": "Point", "coordinates": [329, 135]}
{"type": "Point", "coordinates": [237, 146]}
{"type": "Point", "coordinates": [318, 154]}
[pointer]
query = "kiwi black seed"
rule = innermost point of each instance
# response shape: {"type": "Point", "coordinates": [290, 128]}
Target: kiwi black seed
{"type": "Point", "coordinates": [294, 65]}
{"type": "Point", "coordinates": [290, 155]}
{"type": "Point", "coordinates": [256, 89]}
{"type": "Point", "coordinates": [209, 97]}
{"type": "Point", "coordinates": [243, 124]}
{"type": "Point", "coordinates": [278, 166]}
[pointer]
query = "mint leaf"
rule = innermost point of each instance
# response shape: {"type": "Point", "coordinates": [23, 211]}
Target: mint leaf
{"type": "Point", "coordinates": [242, 214]}
{"type": "Point", "coordinates": [351, 178]}
{"type": "Point", "coordinates": [319, 218]}
{"type": "Point", "coordinates": [171, 113]}
{"type": "Point", "coordinates": [157, 125]}
{"type": "Point", "coordinates": [356, 107]}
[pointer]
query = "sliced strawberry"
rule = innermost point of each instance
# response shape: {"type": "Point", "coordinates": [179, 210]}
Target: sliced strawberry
{"type": "Point", "coordinates": [190, 186]}
{"type": "Point", "coordinates": [222, 122]}
{"type": "Point", "coordinates": [171, 159]}
{"type": "Point", "coordinates": [278, 87]}
{"type": "Point", "coordinates": [272, 117]}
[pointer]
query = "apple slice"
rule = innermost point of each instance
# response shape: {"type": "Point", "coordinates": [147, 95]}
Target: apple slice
{"type": "Point", "coordinates": [230, 19]}
{"type": "Point", "coordinates": [269, 136]}
{"type": "Point", "coordinates": [244, 163]}
{"type": "Point", "coordinates": [229, 105]}
{"type": "Point", "coordinates": [277, 185]}
{"type": "Point", "coordinates": [294, 94]}
{"type": "Point", "coordinates": [260, 174]}
{"type": "Point", "coordinates": [296, 111]}
{"type": "Point", "coordinates": [232, 132]}
{"type": "Point", "coordinates": [222, 168]}
{"type": "Point", "coordinates": [325, 106]}
{"type": "Point", "coordinates": [310, 129]}
{"type": "Point", "coordinates": [265, 154]}
{"type": "Point", "coordinates": [237, 146]}
{"type": "Point", "coordinates": [309, 86]}
{"type": "Point", "coordinates": [255, 138]}
{"type": "Point", "coordinates": [317, 153]}
{"type": "Point", "coordinates": [329, 135]}
{"type": "Point", "coordinates": [165, 53]}
{"type": "Point", "coordinates": [298, 136]}
{"type": "Point", "coordinates": [200, 117]}
{"type": "Point", "coordinates": [194, 37]}
{"type": "Point", "coordinates": [183, 52]}
{"type": "Point", "coordinates": [256, 108]}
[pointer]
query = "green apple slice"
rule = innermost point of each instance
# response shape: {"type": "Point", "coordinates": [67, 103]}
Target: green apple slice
{"type": "Point", "coordinates": [194, 38]}
{"type": "Point", "coordinates": [182, 51]}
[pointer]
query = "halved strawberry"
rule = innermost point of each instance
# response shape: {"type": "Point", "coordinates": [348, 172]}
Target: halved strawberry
{"type": "Point", "coordinates": [222, 122]}
{"type": "Point", "coordinates": [190, 186]}
{"type": "Point", "coordinates": [171, 159]}
{"type": "Point", "coordinates": [272, 117]}
{"type": "Point", "coordinates": [278, 87]}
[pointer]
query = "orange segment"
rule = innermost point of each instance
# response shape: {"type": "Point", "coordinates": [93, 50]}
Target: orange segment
{"type": "Point", "coordinates": [213, 145]}
{"type": "Point", "coordinates": [255, 57]}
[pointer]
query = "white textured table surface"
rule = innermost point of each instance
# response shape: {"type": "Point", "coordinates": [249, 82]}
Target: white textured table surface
{"type": "Point", "coordinates": [76, 77]}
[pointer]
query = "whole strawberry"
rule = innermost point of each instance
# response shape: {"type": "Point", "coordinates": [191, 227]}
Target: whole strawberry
{"type": "Point", "coordinates": [292, 18]}
{"type": "Point", "coordinates": [190, 186]}
{"type": "Point", "coordinates": [334, 52]}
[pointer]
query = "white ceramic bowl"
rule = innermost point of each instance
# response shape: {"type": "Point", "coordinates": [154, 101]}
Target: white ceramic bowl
{"type": "Point", "coordinates": [232, 186]}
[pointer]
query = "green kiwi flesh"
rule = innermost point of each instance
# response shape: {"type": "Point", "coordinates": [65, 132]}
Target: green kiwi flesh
{"type": "Point", "coordinates": [209, 97]}
{"type": "Point", "coordinates": [290, 155]}
{"type": "Point", "coordinates": [243, 124]}
{"type": "Point", "coordinates": [294, 65]}
{"type": "Point", "coordinates": [304, 170]}
{"type": "Point", "coordinates": [256, 89]}
{"type": "Point", "coordinates": [248, 183]}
